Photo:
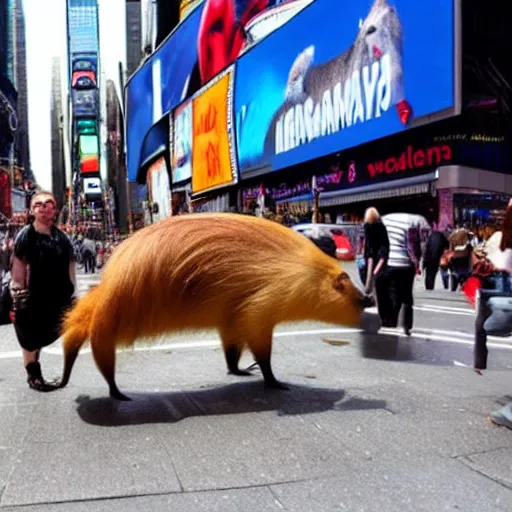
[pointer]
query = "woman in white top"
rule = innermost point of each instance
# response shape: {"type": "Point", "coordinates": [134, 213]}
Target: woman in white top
{"type": "Point", "coordinates": [499, 252]}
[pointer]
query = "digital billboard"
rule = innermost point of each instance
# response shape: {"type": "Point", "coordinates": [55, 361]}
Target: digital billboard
{"type": "Point", "coordinates": [189, 58]}
{"type": "Point", "coordinates": [213, 154]}
{"type": "Point", "coordinates": [181, 142]}
{"type": "Point", "coordinates": [89, 164]}
{"type": "Point", "coordinates": [83, 79]}
{"type": "Point", "coordinates": [92, 186]}
{"type": "Point", "coordinates": [84, 62]}
{"type": "Point", "coordinates": [218, 48]}
{"type": "Point", "coordinates": [86, 127]}
{"type": "Point", "coordinates": [159, 189]}
{"type": "Point", "coordinates": [85, 102]}
{"type": "Point", "coordinates": [390, 65]}
{"type": "Point", "coordinates": [88, 144]}
{"type": "Point", "coordinates": [159, 85]}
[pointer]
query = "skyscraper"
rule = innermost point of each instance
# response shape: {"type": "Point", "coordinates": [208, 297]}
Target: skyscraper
{"type": "Point", "coordinates": [58, 172]}
{"type": "Point", "coordinates": [133, 36]}
{"type": "Point", "coordinates": [84, 84]}
{"type": "Point", "coordinates": [8, 100]}
{"type": "Point", "coordinates": [83, 33]}
{"type": "Point", "coordinates": [22, 148]}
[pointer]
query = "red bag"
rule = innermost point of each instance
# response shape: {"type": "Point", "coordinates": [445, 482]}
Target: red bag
{"type": "Point", "coordinates": [470, 287]}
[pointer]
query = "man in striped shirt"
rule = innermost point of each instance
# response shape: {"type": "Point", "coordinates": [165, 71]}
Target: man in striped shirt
{"type": "Point", "coordinates": [404, 232]}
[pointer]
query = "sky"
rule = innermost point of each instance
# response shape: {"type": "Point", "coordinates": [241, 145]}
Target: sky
{"type": "Point", "coordinates": [46, 38]}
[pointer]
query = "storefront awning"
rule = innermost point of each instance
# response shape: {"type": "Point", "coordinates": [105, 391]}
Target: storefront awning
{"type": "Point", "coordinates": [297, 199]}
{"type": "Point", "coordinates": [396, 188]}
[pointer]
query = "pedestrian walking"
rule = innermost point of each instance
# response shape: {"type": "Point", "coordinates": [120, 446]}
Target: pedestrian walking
{"type": "Point", "coordinates": [460, 258]}
{"type": "Point", "coordinates": [495, 286]}
{"type": "Point", "coordinates": [89, 255]}
{"type": "Point", "coordinates": [435, 247]}
{"type": "Point", "coordinates": [42, 285]}
{"type": "Point", "coordinates": [403, 265]}
{"type": "Point", "coordinates": [376, 252]}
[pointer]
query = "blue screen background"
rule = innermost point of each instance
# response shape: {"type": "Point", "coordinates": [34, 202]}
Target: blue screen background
{"type": "Point", "coordinates": [178, 55]}
{"type": "Point", "coordinates": [332, 26]}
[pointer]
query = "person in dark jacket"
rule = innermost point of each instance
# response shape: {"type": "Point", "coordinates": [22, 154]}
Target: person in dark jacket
{"type": "Point", "coordinates": [436, 245]}
{"type": "Point", "coordinates": [376, 252]}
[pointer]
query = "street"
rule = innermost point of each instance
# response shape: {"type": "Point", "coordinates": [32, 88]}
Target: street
{"type": "Point", "coordinates": [373, 422]}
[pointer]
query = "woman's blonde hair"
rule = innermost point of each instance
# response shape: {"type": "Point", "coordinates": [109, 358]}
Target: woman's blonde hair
{"type": "Point", "coordinates": [371, 215]}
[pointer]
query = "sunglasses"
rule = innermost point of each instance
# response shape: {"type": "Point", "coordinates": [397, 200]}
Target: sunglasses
{"type": "Point", "coordinates": [43, 204]}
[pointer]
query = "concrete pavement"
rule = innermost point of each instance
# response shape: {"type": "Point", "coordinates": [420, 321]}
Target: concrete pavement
{"type": "Point", "coordinates": [381, 423]}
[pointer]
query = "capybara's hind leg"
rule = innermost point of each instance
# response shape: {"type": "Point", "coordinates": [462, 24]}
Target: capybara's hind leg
{"type": "Point", "coordinates": [261, 347]}
{"type": "Point", "coordinates": [232, 352]}
{"type": "Point", "coordinates": [105, 357]}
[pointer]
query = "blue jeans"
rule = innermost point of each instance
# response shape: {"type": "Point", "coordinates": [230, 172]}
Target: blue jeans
{"type": "Point", "coordinates": [499, 281]}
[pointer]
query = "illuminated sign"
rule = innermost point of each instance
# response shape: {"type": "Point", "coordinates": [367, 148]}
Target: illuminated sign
{"type": "Point", "coordinates": [89, 164]}
{"type": "Point", "coordinates": [88, 144]}
{"type": "Point", "coordinates": [92, 186]}
{"type": "Point", "coordinates": [86, 127]}
{"type": "Point", "coordinates": [181, 142]}
{"type": "Point", "coordinates": [213, 158]}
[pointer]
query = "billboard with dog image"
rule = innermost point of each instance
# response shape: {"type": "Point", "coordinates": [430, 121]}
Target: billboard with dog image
{"type": "Point", "coordinates": [321, 84]}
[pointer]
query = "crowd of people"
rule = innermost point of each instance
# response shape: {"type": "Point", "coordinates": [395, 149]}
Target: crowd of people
{"type": "Point", "coordinates": [393, 254]}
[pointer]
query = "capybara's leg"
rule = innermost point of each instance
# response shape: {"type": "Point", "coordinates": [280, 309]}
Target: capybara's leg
{"type": "Point", "coordinates": [261, 347]}
{"type": "Point", "coordinates": [105, 357]}
{"type": "Point", "coordinates": [70, 356]}
{"type": "Point", "coordinates": [232, 352]}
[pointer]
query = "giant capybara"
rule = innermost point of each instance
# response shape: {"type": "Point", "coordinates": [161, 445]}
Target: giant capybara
{"type": "Point", "coordinates": [238, 274]}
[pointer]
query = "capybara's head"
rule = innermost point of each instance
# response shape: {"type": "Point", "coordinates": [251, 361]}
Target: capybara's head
{"type": "Point", "coordinates": [340, 301]}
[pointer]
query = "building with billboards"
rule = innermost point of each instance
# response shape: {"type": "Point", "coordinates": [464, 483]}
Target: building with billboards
{"type": "Point", "coordinates": [83, 79]}
{"type": "Point", "coordinates": [22, 147]}
{"type": "Point", "coordinates": [378, 116]}
{"type": "Point", "coordinates": [9, 121]}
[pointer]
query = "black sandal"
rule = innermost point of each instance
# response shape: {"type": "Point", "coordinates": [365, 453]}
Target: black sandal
{"type": "Point", "coordinates": [35, 379]}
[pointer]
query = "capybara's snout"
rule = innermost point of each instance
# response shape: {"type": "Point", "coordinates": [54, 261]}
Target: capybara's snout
{"type": "Point", "coordinates": [367, 301]}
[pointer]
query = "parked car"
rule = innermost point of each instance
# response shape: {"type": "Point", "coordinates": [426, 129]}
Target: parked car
{"type": "Point", "coordinates": [343, 235]}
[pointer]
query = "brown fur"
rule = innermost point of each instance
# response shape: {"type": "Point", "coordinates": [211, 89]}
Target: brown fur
{"type": "Point", "coordinates": [240, 275]}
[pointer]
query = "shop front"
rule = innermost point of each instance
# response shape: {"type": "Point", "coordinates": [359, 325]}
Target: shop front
{"type": "Point", "coordinates": [472, 197]}
{"type": "Point", "coordinates": [448, 177]}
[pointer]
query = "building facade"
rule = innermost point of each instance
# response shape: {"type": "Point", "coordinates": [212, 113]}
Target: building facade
{"type": "Point", "coordinates": [57, 117]}
{"type": "Point", "coordinates": [133, 36]}
{"type": "Point", "coordinates": [22, 146]}
{"type": "Point", "coordinates": [84, 85]}
{"type": "Point", "coordinates": [9, 122]}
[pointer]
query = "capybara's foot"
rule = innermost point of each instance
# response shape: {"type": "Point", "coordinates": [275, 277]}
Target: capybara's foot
{"type": "Point", "coordinates": [270, 381]}
{"type": "Point", "coordinates": [275, 384]}
{"type": "Point", "coordinates": [241, 373]}
{"type": "Point", "coordinates": [115, 393]}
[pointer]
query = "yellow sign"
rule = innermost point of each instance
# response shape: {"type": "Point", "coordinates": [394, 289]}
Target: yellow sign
{"type": "Point", "coordinates": [211, 153]}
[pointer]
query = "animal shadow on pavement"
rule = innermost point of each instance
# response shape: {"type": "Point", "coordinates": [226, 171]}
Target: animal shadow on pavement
{"type": "Point", "coordinates": [239, 398]}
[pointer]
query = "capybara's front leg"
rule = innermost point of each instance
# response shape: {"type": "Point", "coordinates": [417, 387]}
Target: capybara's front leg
{"type": "Point", "coordinates": [104, 353]}
{"type": "Point", "coordinates": [232, 351]}
{"type": "Point", "coordinates": [261, 348]}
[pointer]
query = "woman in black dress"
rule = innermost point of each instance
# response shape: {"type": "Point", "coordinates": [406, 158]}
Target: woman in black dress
{"type": "Point", "coordinates": [42, 285]}
{"type": "Point", "coordinates": [376, 252]}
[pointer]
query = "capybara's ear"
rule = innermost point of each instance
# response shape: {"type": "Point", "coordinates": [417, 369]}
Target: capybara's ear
{"type": "Point", "coordinates": [340, 281]}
